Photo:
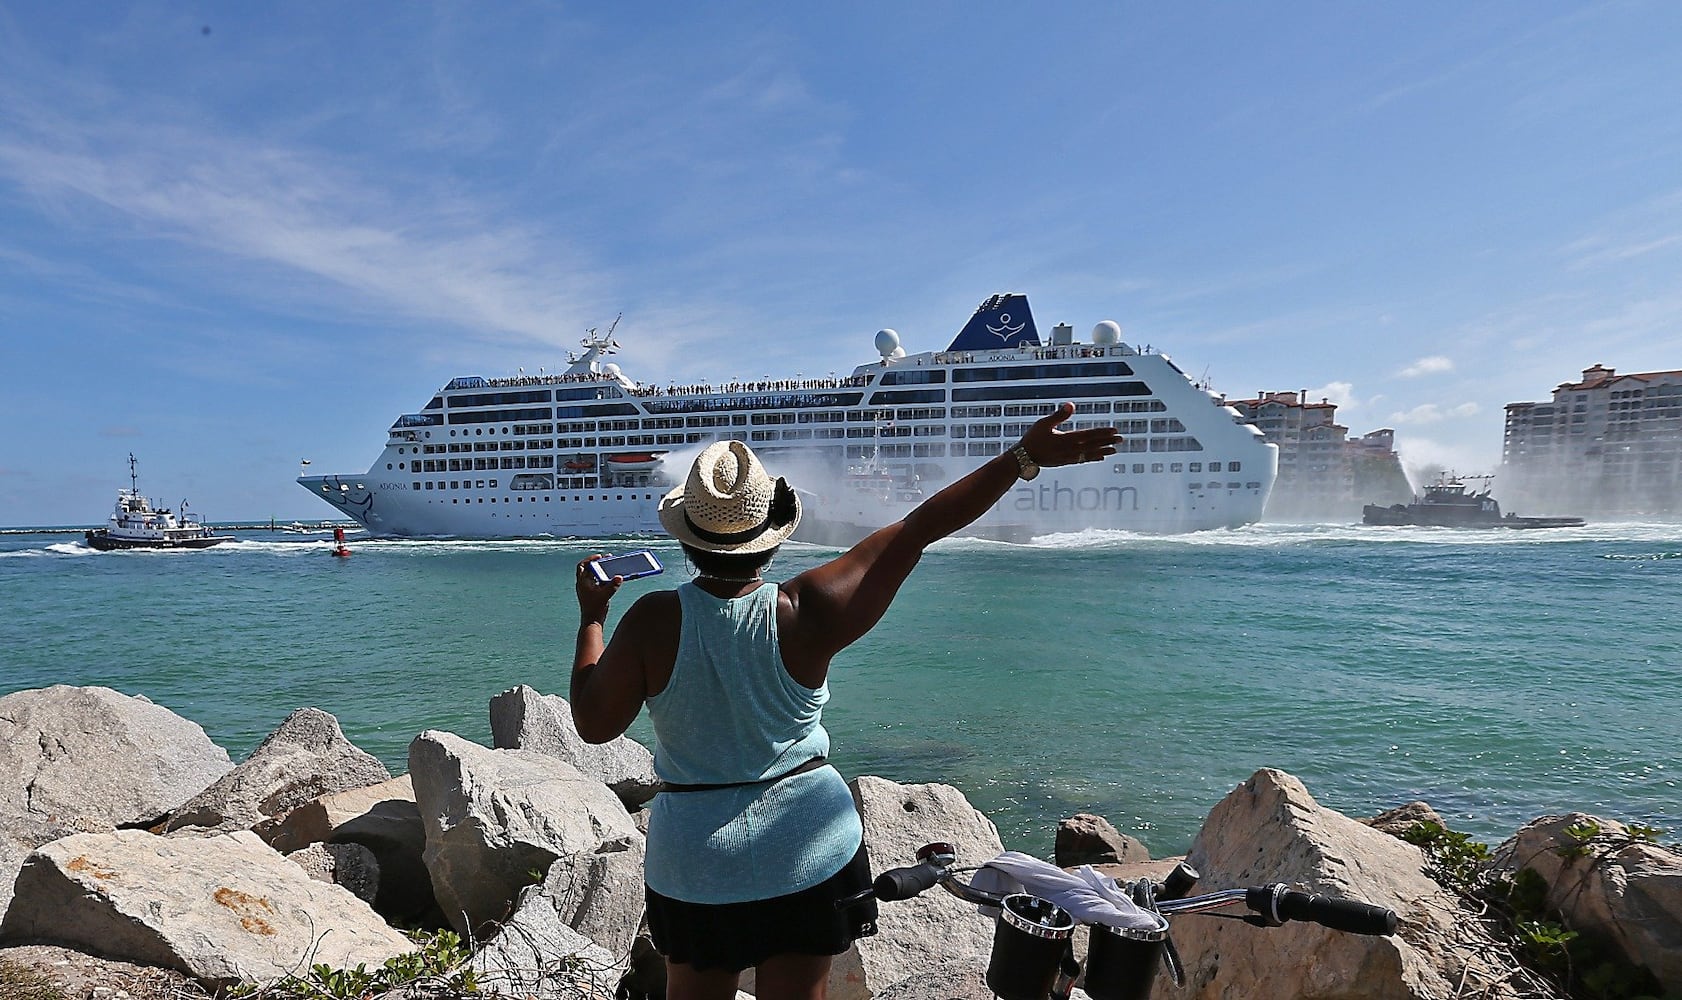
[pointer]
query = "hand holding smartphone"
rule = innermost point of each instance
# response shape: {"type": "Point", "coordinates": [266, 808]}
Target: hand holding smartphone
{"type": "Point", "coordinates": [631, 566]}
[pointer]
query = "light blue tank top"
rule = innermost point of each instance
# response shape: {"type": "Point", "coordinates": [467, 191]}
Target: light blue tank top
{"type": "Point", "coordinates": [731, 713]}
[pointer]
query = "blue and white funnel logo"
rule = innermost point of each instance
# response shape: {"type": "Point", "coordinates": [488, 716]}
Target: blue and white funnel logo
{"type": "Point", "coordinates": [1004, 331]}
{"type": "Point", "coordinates": [1002, 321]}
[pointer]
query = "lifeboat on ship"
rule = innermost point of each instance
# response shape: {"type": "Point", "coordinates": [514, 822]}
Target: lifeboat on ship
{"type": "Point", "coordinates": [580, 463]}
{"type": "Point", "coordinates": [633, 461]}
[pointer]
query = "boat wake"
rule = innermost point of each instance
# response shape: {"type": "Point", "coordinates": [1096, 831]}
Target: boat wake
{"type": "Point", "coordinates": [54, 549]}
{"type": "Point", "coordinates": [1277, 535]}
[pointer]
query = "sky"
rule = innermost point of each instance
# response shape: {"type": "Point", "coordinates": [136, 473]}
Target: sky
{"type": "Point", "coordinates": [235, 236]}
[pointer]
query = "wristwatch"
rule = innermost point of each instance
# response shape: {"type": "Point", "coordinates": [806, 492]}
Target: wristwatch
{"type": "Point", "coordinates": [1027, 467]}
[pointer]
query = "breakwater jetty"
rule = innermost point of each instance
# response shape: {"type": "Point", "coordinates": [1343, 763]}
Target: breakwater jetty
{"type": "Point", "coordinates": [530, 850]}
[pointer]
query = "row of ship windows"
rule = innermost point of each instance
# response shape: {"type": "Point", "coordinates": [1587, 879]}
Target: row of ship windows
{"type": "Point", "coordinates": [1126, 427]}
{"type": "Point", "coordinates": [1139, 468]}
{"type": "Point", "coordinates": [1043, 392]}
{"type": "Point", "coordinates": [481, 484]}
{"type": "Point", "coordinates": [446, 485]}
{"type": "Point", "coordinates": [989, 446]}
{"type": "Point", "coordinates": [1035, 411]}
{"type": "Point", "coordinates": [478, 464]}
{"type": "Point", "coordinates": [992, 442]}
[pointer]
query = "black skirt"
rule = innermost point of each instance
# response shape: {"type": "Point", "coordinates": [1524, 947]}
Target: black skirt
{"type": "Point", "coordinates": [737, 936]}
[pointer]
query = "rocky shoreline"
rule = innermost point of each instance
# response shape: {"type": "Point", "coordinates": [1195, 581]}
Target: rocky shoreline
{"type": "Point", "coordinates": [136, 860]}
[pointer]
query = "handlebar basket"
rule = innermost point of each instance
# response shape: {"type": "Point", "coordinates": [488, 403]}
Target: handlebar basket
{"type": "Point", "coordinates": [1121, 962]}
{"type": "Point", "coordinates": [1029, 941]}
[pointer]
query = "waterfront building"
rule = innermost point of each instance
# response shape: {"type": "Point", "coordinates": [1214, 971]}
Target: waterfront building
{"type": "Point", "coordinates": [1606, 444]}
{"type": "Point", "coordinates": [1323, 474]}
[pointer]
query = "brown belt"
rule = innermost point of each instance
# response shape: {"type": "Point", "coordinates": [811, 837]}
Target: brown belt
{"type": "Point", "coordinates": [802, 768]}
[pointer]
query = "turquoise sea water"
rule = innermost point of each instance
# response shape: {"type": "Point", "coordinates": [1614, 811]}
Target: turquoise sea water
{"type": "Point", "coordinates": [1499, 675]}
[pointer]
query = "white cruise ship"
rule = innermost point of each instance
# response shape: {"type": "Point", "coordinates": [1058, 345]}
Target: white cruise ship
{"type": "Point", "coordinates": [591, 451]}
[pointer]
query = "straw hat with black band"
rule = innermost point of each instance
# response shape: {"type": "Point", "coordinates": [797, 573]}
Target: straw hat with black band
{"type": "Point", "coordinates": [730, 503]}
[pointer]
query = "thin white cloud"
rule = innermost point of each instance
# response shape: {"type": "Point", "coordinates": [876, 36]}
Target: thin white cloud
{"type": "Point", "coordinates": [1340, 394]}
{"type": "Point", "coordinates": [395, 242]}
{"type": "Point", "coordinates": [432, 257]}
{"type": "Point", "coordinates": [1433, 365]}
{"type": "Point", "coordinates": [1641, 230]}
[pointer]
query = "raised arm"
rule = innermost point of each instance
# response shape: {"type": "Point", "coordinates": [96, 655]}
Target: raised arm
{"type": "Point", "coordinates": [836, 603]}
{"type": "Point", "coordinates": [609, 679]}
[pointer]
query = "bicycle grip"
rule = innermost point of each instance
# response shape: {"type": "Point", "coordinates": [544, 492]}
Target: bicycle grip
{"type": "Point", "coordinates": [902, 883]}
{"type": "Point", "coordinates": [1350, 915]}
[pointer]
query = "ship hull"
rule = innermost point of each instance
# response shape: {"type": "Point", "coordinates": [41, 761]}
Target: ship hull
{"type": "Point", "coordinates": [1059, 501]}
{"type": "Point", "coordinates": [1423, 516]}
{"type": "Point", "coordinates": [104, 541]}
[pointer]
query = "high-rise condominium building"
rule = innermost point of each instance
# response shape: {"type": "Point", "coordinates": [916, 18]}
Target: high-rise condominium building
{"type": "Point", "coordinates": [1607, 444]}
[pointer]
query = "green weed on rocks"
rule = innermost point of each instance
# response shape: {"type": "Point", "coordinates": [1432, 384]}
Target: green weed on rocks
{"type": "Point", "coordinates": [437, 969]}
{"type": "Point", "coordinates": [1579, 965]}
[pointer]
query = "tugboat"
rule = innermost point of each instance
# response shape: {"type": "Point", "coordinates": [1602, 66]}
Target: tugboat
{"type": "Point", "coordinates": [1450, 504]}
{"type": "Point", "coordinates": [136, 524]}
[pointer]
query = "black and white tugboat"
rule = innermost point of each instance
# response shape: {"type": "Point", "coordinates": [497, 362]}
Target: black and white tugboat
{"type": "Point", "coordinates": [136, 524]}
{"type": "Point", "coordinates": [1451, 504]}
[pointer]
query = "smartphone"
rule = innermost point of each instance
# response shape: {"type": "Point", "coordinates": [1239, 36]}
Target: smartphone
{"type": "Point", "coordinates": [631, 566]}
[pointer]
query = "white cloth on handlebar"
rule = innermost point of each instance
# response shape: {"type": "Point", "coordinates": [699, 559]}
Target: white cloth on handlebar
{"type": "Point", "coordinates": [1090, 897]}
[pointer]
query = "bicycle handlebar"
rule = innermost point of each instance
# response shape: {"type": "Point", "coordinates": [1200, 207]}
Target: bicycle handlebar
{"type": "Point", "coordinates": [896, 884]}
{"type": "Point", "coordinates": [1350, 915]}
{"type": "Point", "coordinates": [1276, 903]}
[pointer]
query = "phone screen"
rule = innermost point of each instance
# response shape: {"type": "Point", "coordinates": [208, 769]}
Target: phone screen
{"type": "Point", "coordinates": [631, 566]}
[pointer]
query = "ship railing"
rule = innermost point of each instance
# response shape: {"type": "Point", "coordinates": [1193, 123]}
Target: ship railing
{"type": "Point", "coordinates": [1043, 352]}
{"type": "Point", "coordinates": [759, 385]}
{"type": "Point", "coordinates": [562, 379]}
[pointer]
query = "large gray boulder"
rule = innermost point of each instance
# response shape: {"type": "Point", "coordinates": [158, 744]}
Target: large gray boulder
{"type": "Point", "coordinates": [1610, 885]}
{"type": "Point", "coordinates": [599, 894]}
{"type": "Point", "coordinates": [1088, 839]}
{"type": "Point", "coordinates": [1269, 829]}
{"type": "Point", "coordinates": [82, 759]}
{"type": "Point", "coordinates": [384, 819]}
{"type": "Point", "coordinates": [379, 813]}
{"type": "Point", "coordinates": [538, 955]}
{"type": "Point", "coordinates": [73, 752]}
{"type": "Point", "coordinates": [898, 819]}
{"type": "Point", "coordinates": [522, 719]}
{"type": "Point", "coordinates": [500, 820]}
{"type": "Point", "coordinates": [306, 757]}
{"type": "Point", "coordinates": [222, 909]}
